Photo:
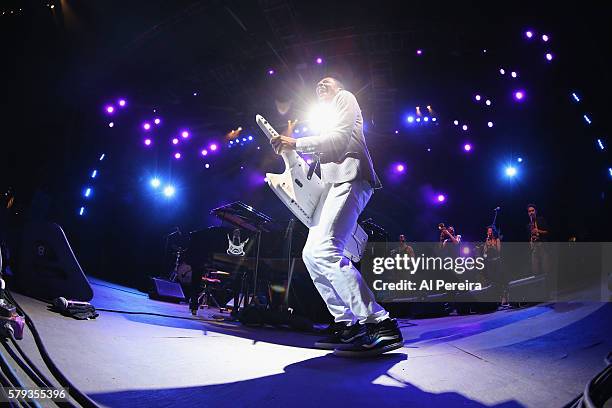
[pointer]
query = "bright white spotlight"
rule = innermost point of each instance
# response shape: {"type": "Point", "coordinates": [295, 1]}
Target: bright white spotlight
{"type": "Point", "coordinates": [456, 122]}
{"type": "Point", "coordinates": [94, 173]}
{"type": "Point", "coordinates": [510, 171]}
{"type": "Point", "coordinates": [102, 156]}
{"type": "Point", "coordinates": [425, 119]}
{"type": "Point", "coordinates": [155, 182]}
{"type": "Point", "coordinates": [488, 102]}
{"type": "Point", "coordinates": [587, 119]}
{"type": "Point", "coordinates": [82, 211]}
{"type": "Point", "coordinates": [410, 119]}
{"type": "Point", "coordinates": [576, 97]}
{"type": "Point", "coordinates": [87, 192]}
{"type": "Point", "coordinates": [600, 143]}
{"type": "Point", "coordinates": [169, 191]}
{"type": "Point", "coordinates": [610, 171]}
{"type": "Point", "coordinates": [321, 117]}
{"type": "Point", "coordinates": [520, 160]}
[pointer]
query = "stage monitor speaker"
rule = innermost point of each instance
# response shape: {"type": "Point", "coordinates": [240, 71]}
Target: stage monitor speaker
{"type": "Point", "coordinates": [48, 268]}
{"type": "Point", "coordinates": [166, 291]}
{"type": "Point", "coordinates": [527, 290]}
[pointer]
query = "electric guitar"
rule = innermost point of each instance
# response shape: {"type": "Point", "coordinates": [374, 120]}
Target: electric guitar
{"type": "Point", "coordinates": [301, 194]}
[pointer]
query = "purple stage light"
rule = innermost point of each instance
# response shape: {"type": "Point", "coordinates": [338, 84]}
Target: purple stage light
{"type": "Point", "coordinates": [319, 60]}
{"type": "Point", "coordinates": [549, 56]}
{"type": "Point", "coordinates": [397, 132]}
{"type": "Point", "coordinates": [147, 142]}
{"type": "Point", "coordinates": [502, 71]}
{"type": "Point", "coordinates": [111, 124]}
{"type": "Point", "coordinates": [441, 198]}
{"type": "Point", "coordinates": [270, 72]}
{"type": "Point", "coordinates": [122, 102]}
{"type": "Point", "coordinates": [478, 97]}
{"type": "Point", "coordinates": [419, 52]}
{"type": "Point", "coordinates": [213, 147]}
{"type": "Point", "coordinates": [488, 102]}
{"type": "Point", "coordinates": [204, 152]}
{"type": "Point", "coordinates": [529, 34]}
{"type": "Point", "coordinates": [467, 147]}
{"type": "Point", "coordinates": [146, 126]}
{"type": "Point", "coordinates": [157, 121]}
{"type": "Point", "coordinates": [464, 127]}
{"type": "Point", "coordinates": [456, 122]}
{"type": "Point", "coordinates": [207, 166]}
{"type": "Point", "coordinates": [544, 38]}
{"type": "Point", "coordinates": [519, 95]}
{"type": "Point", "coordinates": [490, 124]}
{"type": "Point", "coordinates": [184, 134]}
{"type": "Point", "coordinates": [513, 74]}
{"type": "Point", "coordinates": [175, 141]}
{"type": "Point", "coordinates": [110, 109]}
{"type": "Point", "coordinates": [400, 168]}
{"type": "Point", "coordinates": [177, 155]}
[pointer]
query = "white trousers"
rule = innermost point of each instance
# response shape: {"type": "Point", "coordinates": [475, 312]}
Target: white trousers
{"type": "Point", "coordinates": [340, 284]}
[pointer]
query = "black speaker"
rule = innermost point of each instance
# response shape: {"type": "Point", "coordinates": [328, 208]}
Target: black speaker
{"type": "Point", "coordinates": [48, 268]}
{"type": "Point", "coordinates": [167, 291]}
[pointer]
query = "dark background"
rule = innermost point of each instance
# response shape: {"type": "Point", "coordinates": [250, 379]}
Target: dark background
{"type": "Point", "coordinates": [61, 66]}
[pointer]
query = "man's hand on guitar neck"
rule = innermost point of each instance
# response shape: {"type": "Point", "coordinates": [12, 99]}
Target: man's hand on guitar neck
{"type": "Point", "coordinates": [284, 141]}
{"type": "Point", "coordinates": [280, 143]}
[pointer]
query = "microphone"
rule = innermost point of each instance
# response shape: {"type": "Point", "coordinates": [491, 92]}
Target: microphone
{"type": "Point", "coordinates": [64, 304]}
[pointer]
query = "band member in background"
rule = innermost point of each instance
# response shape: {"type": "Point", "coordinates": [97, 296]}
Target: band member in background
{"type": "Point", "coordinates": [539, 233]}
{"type": "Point", "coordinates": [448, 236]}
{"type": "Point", "coordinates": [494, 271]}
{"type": "Point", "coordinates": [403, 248]}
{"type": "Point", "coordinates": [362, 327]}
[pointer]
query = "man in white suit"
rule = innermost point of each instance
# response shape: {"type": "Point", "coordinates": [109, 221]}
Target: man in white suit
{"type": "Point", "coordinates": [362, 326]}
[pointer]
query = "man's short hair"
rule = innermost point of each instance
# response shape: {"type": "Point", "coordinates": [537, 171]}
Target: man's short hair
{"type": "Point", "coordinates": [532, 205]}
{"type": "Point", "coordinates": [337, 78]}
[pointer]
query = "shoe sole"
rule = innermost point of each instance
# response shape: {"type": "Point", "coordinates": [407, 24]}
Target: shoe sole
{"type": "Point", "coordinates": [368, 353]}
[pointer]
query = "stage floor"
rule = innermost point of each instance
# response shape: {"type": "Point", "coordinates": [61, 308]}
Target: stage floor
{"type": "Point", "coordinates": [540, 356]}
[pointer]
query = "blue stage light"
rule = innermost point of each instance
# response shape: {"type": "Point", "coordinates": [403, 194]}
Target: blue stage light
{"type": "Point", "coordinates": [410, 119]}
{"type": "Point", "coordinates": [511, 171]}
{"type": "Point", "coordinates": [102, 156]}
{"type": "Point", "coordinates": [155, 182]}
{"type": "Point", "coordinates": [576, 97]}
{"type": "Point", "coordinates": [87, 192]}
{"type": "Point", "coordinates": [94, 173]}
{"type": "Point", "coordinates": [600, 143]}
{"type": "Point", "coordinates": [169, 191]}
{"type": "Point", "coordinates": [82, 211]}
{"type": "Point", "coordinates": [587, 119]}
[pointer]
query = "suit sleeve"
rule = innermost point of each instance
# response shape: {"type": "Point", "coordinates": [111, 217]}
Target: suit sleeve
{"type": "Point", "coordinates": [335, 141]}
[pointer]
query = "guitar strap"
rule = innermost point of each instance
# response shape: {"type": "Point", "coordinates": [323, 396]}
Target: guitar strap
{"type": "Point", "coordinates": [313, 166]}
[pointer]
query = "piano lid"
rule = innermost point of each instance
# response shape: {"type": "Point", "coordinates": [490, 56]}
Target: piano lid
{"type": "Point", "coordinates": [244, 216]}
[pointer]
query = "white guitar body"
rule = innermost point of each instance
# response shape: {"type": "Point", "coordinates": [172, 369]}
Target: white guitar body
{"type": "Point", "coordinates": [302, 196]}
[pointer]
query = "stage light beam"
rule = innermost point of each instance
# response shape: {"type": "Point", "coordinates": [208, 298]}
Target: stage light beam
{"type": "Point", "coordinates": [169, 191]}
